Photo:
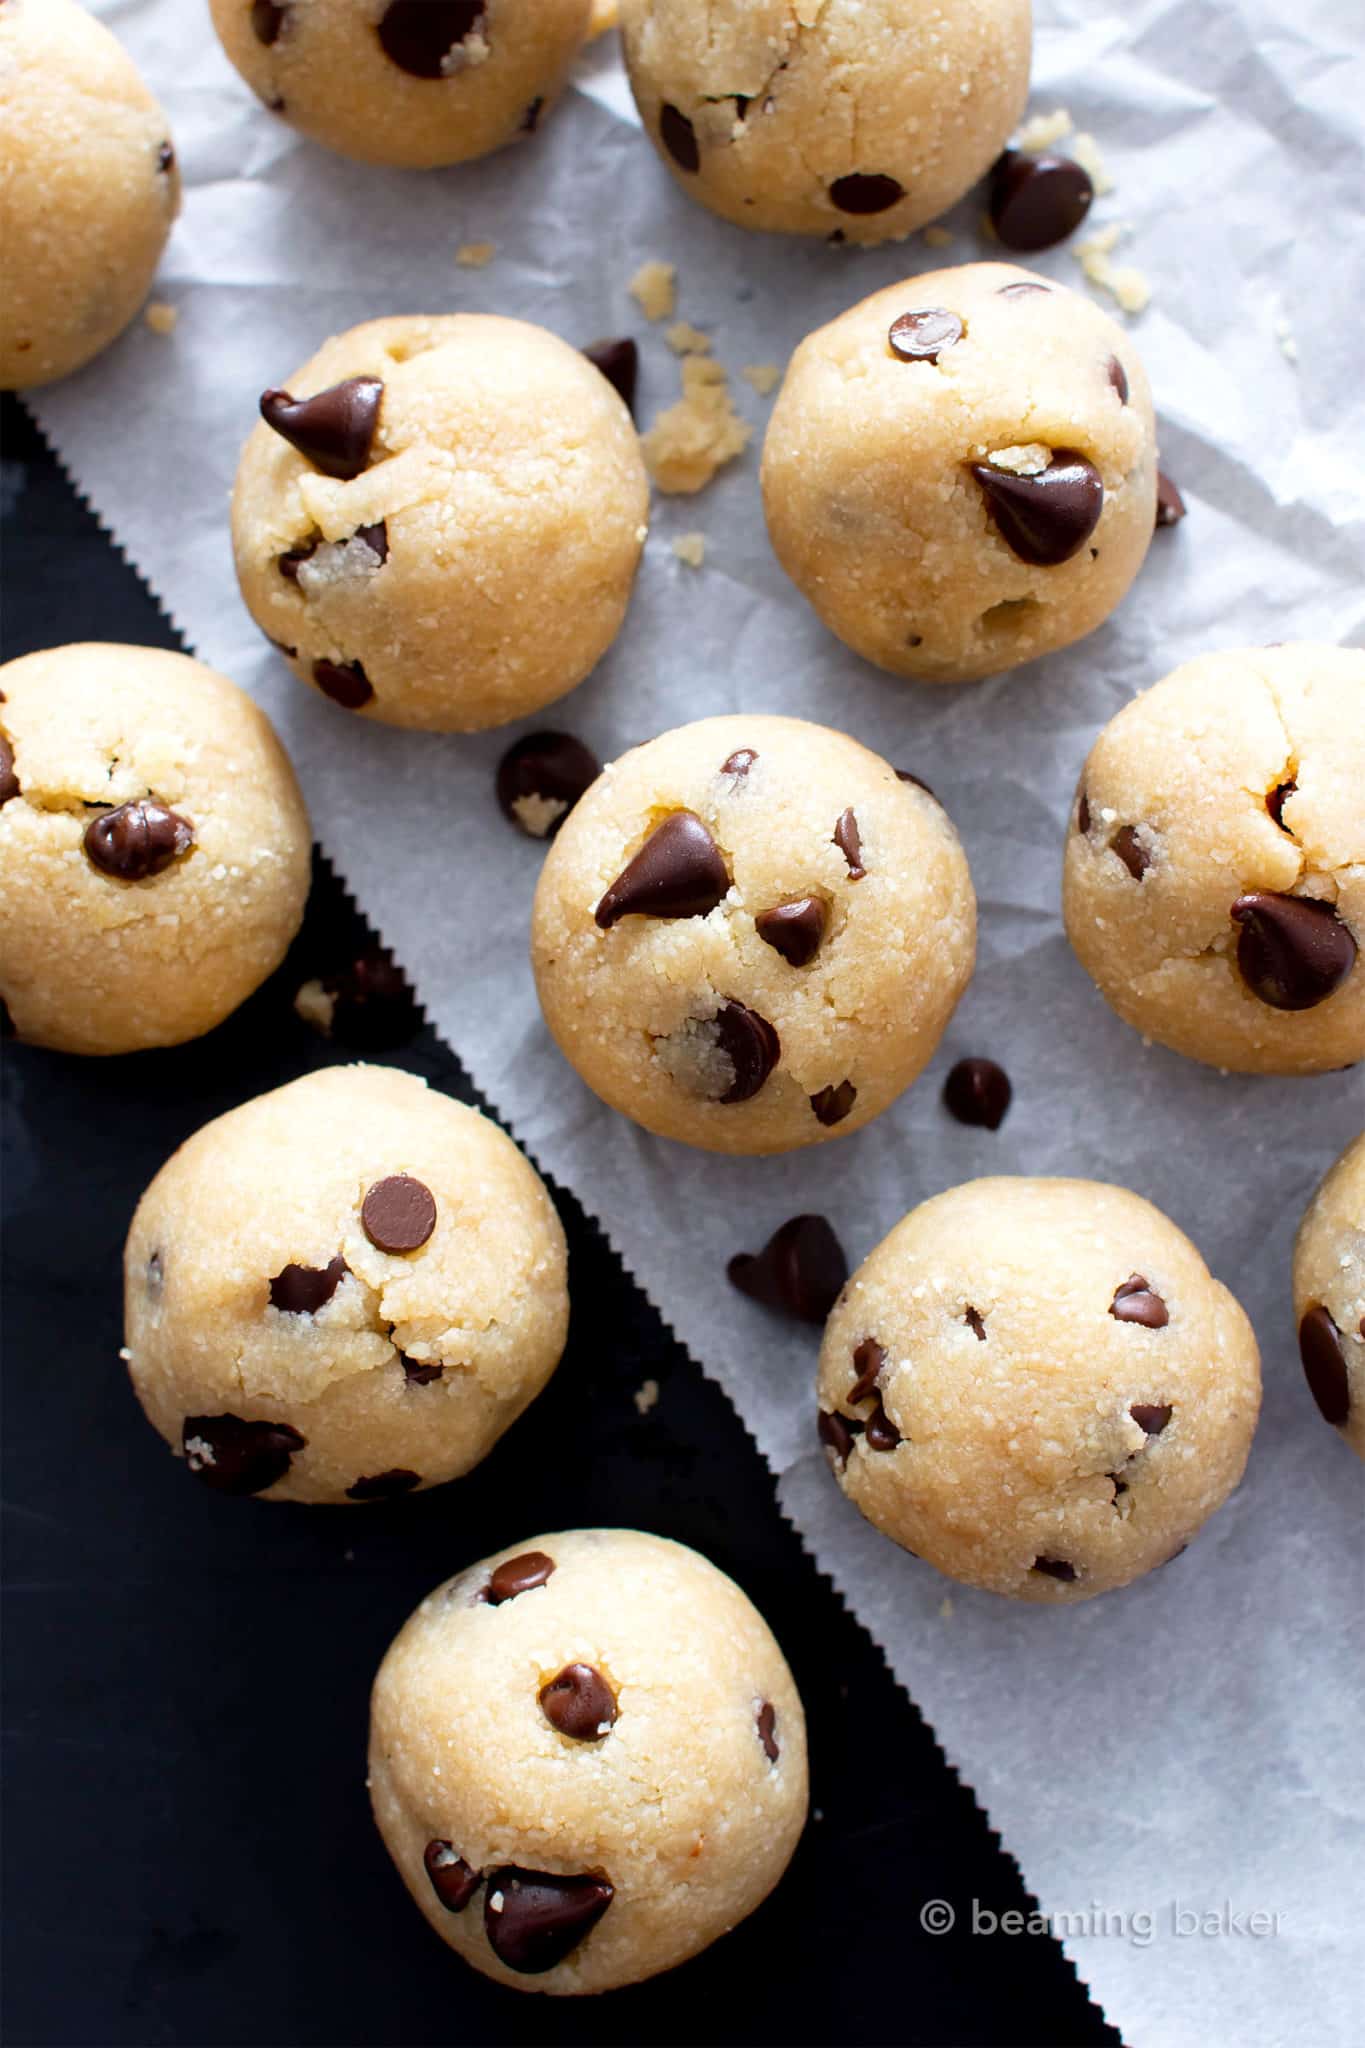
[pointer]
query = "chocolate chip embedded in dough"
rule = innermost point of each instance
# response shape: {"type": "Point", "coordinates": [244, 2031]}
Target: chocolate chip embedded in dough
{"type": "Point", "coordinates": [303, 1290]}
{"type": "Point", "coordinates": [976, 1323]}
{"type": "Point", "coordinates": [1324, 1364]}
{"type": "Point", "coordinates": [452, 1879]}
{"type": "Point", "coordinates": [534, 1919]}
{"type": "Point", "coordinates": [866, 192]}
{"type": "Point", "coordinates": [1293, 952]}
{"type": "Point", "coordinates": [417, 1372]}
{"type": "Point", "coordinates": [800, 1271]}
{"type": "Point", "coordinates": [385, 1485]}
{"type": "Point", "coordinates": [345, 682]}
{"type": "Point", "coordinates": [579, 1702]}
{"type": "Point", "coordinates": [924, 335]}
{"type": "Point", "coordinates": [868, 1359]}
{"type": "Point", "coordinates": [1151, 1416]}
{"type": "Point", "coordinates": [750, 1044]}
{"type": "Point", "coordinates": [765, 1720]}
{"type": "Point", "coordinates": [398, 1213]}
{"type": "Point", "coordinates": [422, 36]}
{"type": "Point", "coordinates": [1055, 1568]}
{"type": "Point", "coordinates": [739, 763]}
{"type": "Point", "coordinates": [267, 19]}
{"type": "Point", "coordinates": [678, 872]}
{"type": "Point", "coordinates": [1131, 851]}
{"type": "Point", "coordinates": [1118, 378]}
{"type": "Point", "coordinates": [9, 781]}
{"type": "Point", "coordinates": [1137, 1301]}
{"type": "Point", "coordinates": [849, 841]}
{"type": "Point", "coordinates": [794, 929]}
{"type": "Point", "coordinates": [837, 1433]}
{"type": "Point", "coordinates": [832, 1105]}
{"type": "Point", "coordinates": [880, 1432]}
{"type": "Point", "coordinates": [1277, 798]}
{"type": "Point", "coordinates": [679, 137]}
{"type": "Point", "coordinates": [334, 429]}
{"type": "Point", "coordinates": [1047, 518]}
{"type": "Point", "coordinates": [237, 1457]}
{"type": "Point", "coordinates": [517, 1575]}
{"type": "Point", "coordinates": [138, 840]}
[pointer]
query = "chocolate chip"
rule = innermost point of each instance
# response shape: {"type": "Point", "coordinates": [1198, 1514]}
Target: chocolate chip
{"type": "Point", "coordinates": [1131, 851]}
{"type": "Point", "coordinates": [7, 1029]}
{"type": "Point", "coordinates": [303, 1290]}
{"type": "Point", "coordinates": [267, 19]}
{"type": "Point", "coordinates": [1054, 1568]}
{"type": "Point", "coordinates": [793, 929]}
{"type": "Point", "coordinates": [1118, 377]}
{"type": "Point", "coordinates": [978, 1092]}
{"type": "Point", "coordinates": [1047, 518]}
{"type": "Point", "coordinates": [1274, 803]}
{"type": "Point", "coordinates": [921, 337]}
{"type": "Point", "coordinates": [419, 35]}
{"type": "Point", "coordinates": [1136, 1301]}
{"type": "Point", "coordinates": [1170, 506]}
{"type": "Point", "coordinates": [534, 1919]}
{"type": "Point", "coordinates": [452, 1880]}
{"type": "Point", "coordinates": [418, 1374]}
{"type": "Point", "coordinates": [165, 158]}
{"type": "Point", "coordinates": [750, 1044]}
{"type": "Point", "coordinates": [334, 429]}
{"type": "Point", "coordinates": [848, 839]}
{"type": "Point", "coordinates": [9, 781]}
{"type": "Point", "coordinates": [880, 1431]}
{"type": "Point", "coordinates": [290, 563]}
{"type": "Point", "coordinates": [1083, 813]}
{"type": "Point", "coordinates": [739, 763]}
{"type": "Point", "coordinates": [540, 779]}
{"type": "Point", "coordinates": [832, 1105]}
{"type": "Point", "coordinates": [766, 1722]}
{"type": "Point", "coordinates": [530, 120]}
{"type": "Point", "coordinates": [799, 1271]}
{"type": "Point", "coordinates": [280, 647]}
{"type": "Point", "coordinates": [976, 1323]}
{"type": "Point", "coordinates": [384, 1485]}
{"type": "Point", "coordinates": [1324, 1365]}
{"type": "Point", "coordinates": [678, 872]}
{"type": "Point", "coordinates": [904, 775]}
{"type": "Point", "coordinates": [579, 1703]}
{"type": "Point", "coordinates": [138, 840]}
{"type": "Point", "coordinates": [865, 192]}
{"type": "Point", "coordinates": [398, 1213]}
{"type": "Point", "coordinates": [237, 1457]}
{"type": "Point", "coordinates": [345, 682]}
{"type": "Point", "coordinates": [375, 538]}
{"type": "Point", "coordinates": [1151, 1417]}
{"type": "Point", "coordinates": [619, 362]}
{"type": "Point", "coordinates": [868, 1360]}
{"type": "Point", "coordinates": [373, 1005]}
{"type": "Point", "coordinates": [516, 1575]}
{"type": "Point", "coordinates": [837, 1433]}
{"type": "Point", "coordinates": [156, 1276]}
{"type": "Point", "coordinates": [1036, 201]}
{"type": "Point", "coordinates": [679, 137]}
{"type": "Point", "coordinates": [1021, 288]}
{"type": "Point", "coordinates": [1292, 952]}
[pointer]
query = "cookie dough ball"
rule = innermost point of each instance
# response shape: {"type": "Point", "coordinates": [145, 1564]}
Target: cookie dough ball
{"type": "Point", "coordinates": [342, 1291]}
{"type": "Point", "coordinates": [860, 119]}
{"type": "Point", "coordinates": [587, 1759]}
{"type": "Point", "coordinates": [1329, 1295]}
{"type": "Point", "coordinates": [88, 190]}
{"type": "Point", "coordinates": [439, 522]}
{"type": "Point", "coordinates": [1215, 872]}
{"type": "Point", "coordinates": [1038, 1387]}
{"type": "Point", "coordinates": [960, 473]}
{"type": "Point", "coordinates": [154, 846]}
{"type": "Point", "coordinates": [750, 934]}
{"type": "Point", "coordinates": [412, 83]}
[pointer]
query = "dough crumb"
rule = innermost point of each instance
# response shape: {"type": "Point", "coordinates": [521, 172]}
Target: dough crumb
{"type": "Point", "coordinates": [605, 14]}
{"type": "Point", "coordinates": [475, 255]}
{"type": "Point", "coordinates": [1085, 151]}
{"type": "Point", "coordinates": [938, 238]}
{"type": "Point", "coordinates": [160, 317]}
{"type": "Point", "coordinates": [316, 1007]}
{"type": "Point", "coordinates": [537, 814]}
{"type": "Point", "coordinates": [645, 1396]}
{"type": "Point", "coordinates": [1029, 460]}
{"type": "Point", "coordinates": [686, 340]}
{"type": "Point", "coordinates": [1042, 131]}
{"type": "Point", "coordinates": [1124, 283]}
{"type": "Point", "coordinates": [765, 377]}
{"type": "Point", "coordinates": [693, 439]}
{"type": "Point", "coordinates": [652, 289]}
{"type": "Point", "coordinates": [691, 549]}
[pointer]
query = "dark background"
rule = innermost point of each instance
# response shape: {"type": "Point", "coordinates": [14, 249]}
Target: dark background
{"type": "Point", "coordinates": [188, 1851]}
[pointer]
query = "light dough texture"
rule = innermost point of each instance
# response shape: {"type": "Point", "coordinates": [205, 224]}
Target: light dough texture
{"type": "Point", "coordinates": [904, 496]}
{"type": "Point", "coordinates": [258, 1291]}
{"type": "Point", "coordinates": [116, 932]}
{"type": "Point", "coordinates": [860, 119]}
{"type": "Point", "coordinates": [478, 561]}
{"type": "Point", "coordinates": [1036, 1423]}
{"type": "Point", "coordinates": [810, 1031]}
{"type": "Point", "coordinates": [88, 190]}
{"type": "Point", "coordinates": [1329, 1295]}
{"type": "Point", "coordinates": [1239, 776]}
{"type": "Point", "coordinates": [687, 1806]}
{"type": "Point", "coordinates": [411, 83]}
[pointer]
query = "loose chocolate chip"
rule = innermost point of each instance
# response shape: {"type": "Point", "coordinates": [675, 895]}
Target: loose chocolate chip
{"type": "Point", "coordinates": [452, 1880]}
{"type": "Point", "coordinates": [921, 337]}
{"type": "Point", "coordinates": [978, 1092]}
{"type": "Point", "coordinates": [1151, 1417]}
{"type": "Point", "coordinates": [138, 840]}
{"type": "Point", "coordinates": [1170, 506]}
{"type": "Point", "coordinates": [303, 1290]}
{"type": "Point", "coordinates": [384, 1485]}
{"type": "Point", "coordinates": [1136, 1301]}
{"type": "Point", "coordinates": [619, 362]}
{"type": "Point", "coordinates": [793, 929]}
{"type": "Point", "coordinates": [290, 563]}
{"type": "Point", "coordinates": [540, 779]}
{"type": "Point", "coordinates": [766, 1722]}
{"type": "Point", "coordinates": [533, 1919]}
{"type": "Point", "coordinates": [579, 1703]}
{"type": "Point", "coordinates": [1292, 951]}
{"type": "Point", "coordinates": [1131, 851]}
{"type": "Point", "coordinates": [739, 763]}
{"type": "Point", "coordinates": [518, 1575]}
{"type": "Point", "coordinates": [1047, 518]}
{"type": "Point", "coordinates": [530, 120]}
{"type": "Point", "coordinates": [9, 781]}
{"type": "Point", "coordinates": [832, 1105]}
{"type": "Point", "coordinates": [267, 19]}
{"type": "Point", "coordinates": [678, 872]}
{"type": "Point", "coordinates": [398, 1213]}
{"type": "Point", "coordinates": [1036, 201]}
{"type": "Point", "coordinates": [334, 429]}
{"type": "Point", "coordinates": [750, 1044]}
{"type": "Point", "coordinates": [679, 137]}
{"type": "Point", "coordinates": [156, 1276]}
{"type": "Point", "coordinates": [419, 35]}
{"type": "Point", "coordinates": [848, 839]}
{"type": "Point", "coordinates": [837, 1433]}
{"type": "Point", "coordinates": [345, 682]}
{"type": "Point", "coordinates": [373, 1005]}
{"type": "Point", "coordinates": [904, 775]}
{"type": "Point", "coordinates": [165, 158]}
{"type": "Point", "coordinates": [418, 1374]}
{"type": "Point", "coordinates": [1324, 1365]}
{"type": "Point", "coordinates": [881, 1432]}
{"type": "Point", "coordinates": [1274, 803]}
{"type": "Point", "coordinates": [1054, 1568]}
{"type": "Point", "coordinates": [976, 1323]}
{"type": "Point", "coordinates": [799, 1271]}
{"type": "Point", "coordinates": [1083, 813]}
{"type": "Point", "coordinates": [1021, 288]}
{"type": "Point", "coordinates": [868, 1360]}
{"type": "Point", "coordinates": [237, 1457]}
{"type": "Point", "coordinates": [1118, 377]}
{"type": "Point", "coordinates": [865, 192]}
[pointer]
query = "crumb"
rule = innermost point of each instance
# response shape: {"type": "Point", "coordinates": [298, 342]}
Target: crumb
{"type": "Point", "coordinates": [537, 815]}
{"type": "Point", "coordinates": [652, 289]}
{"type": "Point", "coordinates": [1284, 335]}
{"type": "Point", "coordinates": [1085, 151]}
{"type": "Point", "coordinates": [1043, 131]}
{"type": "Point", "coordinates": [160, 317]}
{"type": "Point", "coordinates": [604, 16]}
{"type": "Point", "coordinates": [765, 377]}
{"type": "Point", "coordinates": [691, 549]}
{"type": "Point", "coordinates": [645, 1397]}
{"type": "Point", "coordinates": [475, 255]}
{"type": "Point", "coordinates": [1029, 459]}
{"type": "Point", "coordinates": [938, 238]}
{"type": "Point", "coordinates": [689, 442]}
{"type": "Point", "coordinates": [126, 1355]}
{"type": "Point", "coordinates": [686, 340]}
{"type": "Point", "coordinates": [945, 1609]}
{"type": "Point", "coordinates": [1123, 282]}
{"type": "Point", "coordinates": [316, 1007]}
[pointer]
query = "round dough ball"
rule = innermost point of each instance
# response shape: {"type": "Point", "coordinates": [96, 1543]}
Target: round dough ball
{"type": "Point", "coordinates": [412, 83]}
{"type": "Point", "coordinates": [88, 190]}
{"type": "Point", "coordinates": [154, 844]}
{"type": "Point", "coordinates": [587, 1759]}
{"type": "Point", "coordinates": [751, 933]}
{"type": "Point", "coordinates": [1329, 1295]}
{"type": "Point", "coordinates": [344, 1290]}
{"type": "Point", "coordinates": [857, 118]}
{"type": "Point", "coordinates": [1038, 1387]}
{"type": "Point", "coordinates": [960, 473]}
{"type": "Point", "coordinates": [1214, 882]}
{"type": "Point", "coordinates": [445, 528]}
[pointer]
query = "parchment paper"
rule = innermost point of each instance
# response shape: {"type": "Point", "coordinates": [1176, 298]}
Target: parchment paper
{"type": "Point", "coordinates": [1194, 1741]}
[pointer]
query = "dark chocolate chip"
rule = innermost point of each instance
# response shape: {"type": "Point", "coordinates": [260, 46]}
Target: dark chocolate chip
{"type": "Point", "coordinates": [9, 781]}
{"type": "Point", "coordinates": [1274, 803]}
{"type": "Point", "coordinates": [1324, 1365]}
{"type": "Point", "coordinates": [904, 775]}
{"type": "Point", "coordinates": [1054, 1568]}
{"type": "Point", "coordinates": [452, 1880]}
{"type": "Point", "coordinates": [398, 1213]}
{"type": "Point", "coordinates": [848, 839]}
{"type": "Point", "coordinates": [865, 192]}
{"type": "Point", "coordinates": [750, 1044]}
{"type": "Point", "coordinates": [156, 1276]}
{"type": "Point", "coordinates": [516, 1575]}
{"type": "Point", "coordinates": [678, 872]}
{"type": "Point", "coordinates": [540, 779]}
{"type": "Point", "coordinates": [837, 1433]}
{"type": "Point", "coordinates": [165, 158]}
{"type": "Point", "coordinates": [921, 337]}
{"type": "Point", "coordinates": [534, 1919]}
{"type": "Point", "coordinates": [384, 1485]}
{"type": "Point", "coordinates": [868, 1360]}
{"type": "Point", "coordinates": [373, 1005]}
{"type": "Point", "coordinates": [832, 1105]}
{"type": "Point", "coordinates": [1137, 1301]}
{"type": "Point", "coordinates": [7, 1029]}
{"type": "Point", "coordinates": [579, 1703]}
{"type": "Point", "coordinates": [1151, 1417]}
{"type": "Point", "coordinates": [1131, 851]}
{"type": "Point", "coordinates": [530, 120]}
{"type": "Point", "coordinates": [978, 1092]}
{"type": "Point", "coordinates": [976, 1323]}
{"type": "Point", "coordinates": [1293, 952]}
{"type": "Point", "coordinates": [679, 137]}
{"type": "Point", "coordinates": [619, 362]}
{"type": "Point", "coordinates": [1047, 518]}
{"type": "Point", "coordinates": [1118, 377]}
{"type": "Point", "coordinates": [281, 647]}
{"type": "Point", "coordinates": [1036, 201]}
{"type": "Point", "coordinates": [267, 19]}
{"type": "Point", "coordinates": [290, 563]}
{"type": "Point", "coordinates": [1170, 506]}
{"type": "Point", "coordinates": [138, 840]}
{"type": "Point", "coordinates": [375, 538]}
{"type": "Point", "coordinates": [881, 1432]}
{"type": "Point", "coordinates": [418, 1374]}
{"type": "Point", "coordinates": [739, 763]}
{"type": "Point", "coordinates": [800, 1270]}
{"type": "Point", "coordinates": [334, 429]}
{"type": "Point", "coordinates": [237, 1457]}
{"type": "Point", "coordinates": [766, 1722]}
{"type": "Point", "coordinates": [419, 35]}
{"type": "Point", "coordinates": [345, 682]}
{"type": "Point", "coordinates": [793, 929]}
{"type": "Point", "coordinates": [1021, 288]}
{"type": "Point", "coordinates": [1083, 813]}
{"type": "Point", "coordinates": [303, 1290]}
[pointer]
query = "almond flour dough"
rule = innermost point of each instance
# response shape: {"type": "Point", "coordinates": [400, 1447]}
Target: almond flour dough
{"type": "Point", "coordinates": [342, 1291]}
{"type": "Point", "coordinates": [443, 525]}
{"type": "Point", "coordinates": [960, 473]}
{"type": "Point", "coordinates": [1214, 882]}
{"type": "Point", "coordinates": [154, 848]}
{"type": "Point", "coordinates": [88, 190]}
{"type": "Point", "coordinates": [1329, 1295]}
{"type": "Point", "coordinates": [750, 934]}
{"type": "Point", "coordinates": [587, 1759]}
{"type": "Point", "coordinates": [1038, 1387]}
{"type": "Point", "coordinates": [411, 83]}
{"type": "Point", "coordinates": [857, 119]}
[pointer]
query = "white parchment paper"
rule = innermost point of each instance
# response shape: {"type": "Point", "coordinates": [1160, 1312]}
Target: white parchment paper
{"type": "Point", "coordinates": [1192, 1744]}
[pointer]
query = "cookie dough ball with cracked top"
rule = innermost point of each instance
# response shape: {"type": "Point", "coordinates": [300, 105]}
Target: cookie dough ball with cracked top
{"type": "Point", "coordinates": [587, 1759]}
{"type": "Point", "coordinates": [1214, 881]}
{"type": "Point", "coordinates": [410, 83]}
{"type": "Point", "coordinates": [440, 520]}
{"type": "Point", "coordinates": [1329, 1295]}
{"type": "Point", "coordinates": [857, 118]}
{"type": "Point", "coordinates": [88, 190]}
{"type": "Point", "coordinates": [1038, 1387]}
{"type": "Point", "coordinates": [342, 1291]}
{"type": "Point", "coordinates": [960, 473]}
{"type": "Point", "coordinates": [750, 934]}
{"type": "Point", "coordinates": [154, 848]}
